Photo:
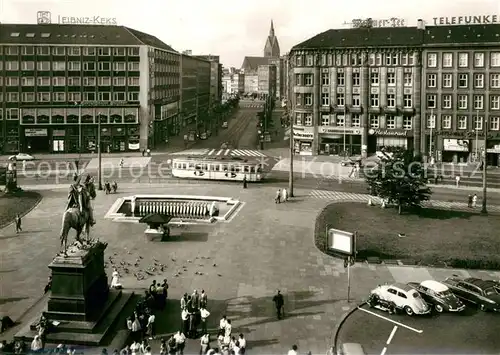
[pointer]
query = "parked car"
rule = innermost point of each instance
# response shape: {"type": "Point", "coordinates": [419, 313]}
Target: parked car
{"type": "Point", "coordinates": [484, 293]}
{"type": "Point", "coordinates": [396, 297]}
{"type": "Point", "coordinates": [22, 156]}
{"type": "Point", "coordinates": [438, 295]}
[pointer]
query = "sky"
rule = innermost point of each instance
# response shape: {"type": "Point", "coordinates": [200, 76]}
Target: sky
{"type": "Point", "coordinates": [238, 28]}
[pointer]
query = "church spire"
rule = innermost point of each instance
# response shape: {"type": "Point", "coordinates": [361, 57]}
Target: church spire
{"type": "Point", "coordinates": [271, 31]}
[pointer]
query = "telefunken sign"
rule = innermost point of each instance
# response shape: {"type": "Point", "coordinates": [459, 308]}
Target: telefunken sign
{"type": "Point", "coordinates": [466, 20]}
{"type": "Point", "coordinates": [45, 17]}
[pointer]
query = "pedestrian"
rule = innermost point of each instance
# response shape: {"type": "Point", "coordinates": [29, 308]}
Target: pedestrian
{"type": "Point", "coordinates": [293, 350]}
{"type": "Point", "coordinates": [136, 329]}
{"type": "Point", "coordinates": [204, 314]}
{"type": "Point", "coordinates": [143, 152]}
{"type": "Point", "coordinates": [151, 326]}
{"type": "Point", "coordinates": [18, 223]}
{"type": "Point", "coordinates": [457, 180]}
{"type": "Point", "coordinates": [245, 182]}
{"type": "Point", "coordinates": [180, 342]}
{"type": "Point", "coordinates": [184, 301]}
{"type": "Point", "coordinates": [121, 162]}
{"type": "Point", "coordinates": [203, 299]}
{"type": "Point", "coordinates": [205, 344]}
{"type": "Point", "coordinates": [148, 152]}
{"type": "Point", "coordinates": [474, 201]}
{"type": "Point", "coordinates": [222, 323]}
{"type": "Point", "coordinates": [228, 330]}
{"type": "Point", "coordinates": [278, 196]}
{"type": "Point", "coordinates": [469, 201]}
{"type": "Point", "coordinates": [279, 302]}
{"type": "Point", "coordinates": [243, 343]}
{"type": "Point", "coordinates": [285, 195]}
{"type": "Point", "coordinates": [185, 320]}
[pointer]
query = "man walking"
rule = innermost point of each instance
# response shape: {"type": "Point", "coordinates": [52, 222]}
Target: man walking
{"type": "Point", "coordinates": [279, 302]}
{"type": "Point", "coordinates": [204, 315]}
{"type": "Point", "coordinates": [18, 223]}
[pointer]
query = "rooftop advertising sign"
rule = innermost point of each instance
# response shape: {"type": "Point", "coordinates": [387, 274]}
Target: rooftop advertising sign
{"type": "Point", "coordinates": [466, 20]}
{"type": "Point", "coordinates": [45, 17]}
{"type": "Point", "coordinates": [370, 22]}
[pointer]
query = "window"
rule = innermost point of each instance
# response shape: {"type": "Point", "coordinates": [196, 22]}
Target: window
{"type": "Point", "coordinates": [479, 81]}
{"type": "Point", "coordinates": [308, 119]}
{"type": "Point", "coordinates": [323, 60]}
{"type": "Point", "coordinates": [119, 81]}
{"type": "Point", "coordinates": [298, 79]}
{"type": "Point", "coordinates": [75, 66]}
{"type": "Point", "coordinates": [90, 51]}
{"type": "Point", "coordinates": [58, 51]}
{"type": "Point", "coordinates": [118, 96]}
{"type": "Point", "coordinates": [325, 120]}
{"type": "Point", "coordinates": [12, 97]}
{"type": "Point", "coordinates": [378, 59]}
{"type": "Point", "coordinates": [308, 99]}
{"type": "Point", "coordinates": [447, 60]}
{"type": "Point", "coordinates": [407, 101]}
{"type": "Point", "coordinates": [462, 102]}
{"type": "Point", "coordinates": [374, 102]}
{"type": "Point", "coordinates": [446, 99]}
{"type": "Point", "coordinates": [74, 97]}
{"type": "Point", "coordinates": [120, 51]}
{"type": "Point", "coordinates": [431, 121]}
{"type": "Point", "coordinates": [133, 66]}
{"type": "Point", "coordinates": [103, 96]}
{"type": "Point", "coordinates": [89, 96]}
{"type": "Point", "coordinates": [374, 121]}
{"type": "Point", "coordinates": [325, 79]}
{"type": "Point", "coordinates": [325, 99]}
{"type": "Point", "coordinates": [407, 123]}
{"type": "Point", "coordinates": [12, 65]}
{"type": "Point", "coordinates": [345, 59]}
{"type": "Point", "coordinates": [43, 96]}
{"type": "Point", "coordinates": [411, 59]}
{"type": "Point", "coordinates": [74, 51]}
{"type": "Point", "coordinates": [446, 121]}
{"type": "Point", "coordinates": [340, 99]}
{"type": "Point", "coordinates": [462, 122]}
{"type": "Point", "coordinates": [447, 80]}
{"type": "Point", "coordinates": [494, 123]}
{"type": "Point", "coordinates": [309, 60]}
{"type": "Point", "coordinates": [119, 66]}
{"type": "Point", "coordinates": [104, 81]}
{"type": "Point", "coordinates": [12, 114]}
{"type": "Point", "coordinates": [495, 81]}
{"type": "Point", "coordinates": [387, 59]}
{"type": "Point", "coordinates": [391, 79]}
{"type": "Point", "coordinates": [89, 81]}
{"type": "Point", "coordinates": [59, 96]}
{"type": "Point", "coordinates": [390, 122]}
{"type": "Point", "coordinates": [43, 66]}
{"type": "Point", "coordinates": [43, 81]}
{"type": "Point", "coordinates": [58, 66]}
{"type": "Point", "coordinates": [104, 51]}
{"type": "Point", "coordinates": [495, 59]}
{"type": "Point", "coordinates": [354, 59]}
{"type": "Point", "coordinates": [43, 50]}
{"type": "Point", "coordinates": [28, 65]}
{"type": "Point", "coordinates": [11, 50]}
{"type": "Point", "coordinates": [74, 81]}
{"type": "Point", "coordinates": [395, 59]}
{"type": "Point", "coordinates": [495, 102]}
{"type": "Point", "coordinates": [12, 81]}
{"type": "Point", "coordinates": [27, 81]}
{"type": "Point", "coordinates": [431, 80]}
{"type": "Point", "coordinates": [89, 66]}
{"type": "Point", "coordinates": [338, 60]}
{"type": "Point", "coordinates": [432, 60]}
{"type": "Point", "coordinates": [478, 102]}
{"type": "Point", "coordinates": [133, 81]}
{"type": "Point", "coordinates": [408, 80]}
{"type": "Point", "coordinates": [133, 96]}
{"type": "Point", "coordinates": [355, 120]}
{"type": "Point", "coordinates": [329, 60]}
{"type": "Point", "coordinates": [308, 79]}
{"type": "Point", "coordinates": [478, 123]}
{"type": "Point", "coordinates": [462, 80]}
{"type": "Point", "coordinates": [463, 60]}
{"type": "Point", "coordinates": [356, 79]}
{"type": "Point", "coordinates": [28, 97]}
{"type": "Point", "coordinates": [298, 119]}
{"type": "Point", "coordinates": [374, 79]}
{"type": "Point", "coordinates": [59, 81]}
{"type": "Point", "coordinates": [340, 79]}
{"type": "Point", "coordinates": [431, 101]}
{"type": "Point", "coordinates": [479, 60]}
{"type": "Point", "coordinates": [340, 120]}
{"type": "Point", "coordinates": [298, 98]}
{"type": "Point", "coordinates": [391, 100]}
{"type": "Point", "coordinates": [104, 66]}
{"type": "Point", "coordinates": [356, 100]}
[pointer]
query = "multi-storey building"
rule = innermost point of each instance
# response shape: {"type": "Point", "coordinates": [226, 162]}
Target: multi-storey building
{"type": "Point", "coordinates": [58, 82]}
{"type": "Point", "coordinates": [215, 78]}
{"type": "Point", "coordinates": [430, 89]}
{"type": "Point", "coordinates": [233, 82]}
{"type": "Point", "coordinates": [267, 79]}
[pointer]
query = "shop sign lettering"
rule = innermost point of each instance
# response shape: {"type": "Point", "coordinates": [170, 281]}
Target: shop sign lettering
{"type": "Point", "coordinates": [339, 130]}
{"type": "Point", "coordinates": [466, 20]}
{"type": "Point", "coordinates": [464, 134]}
{"type": "Point", "coordinates": [388, 132]}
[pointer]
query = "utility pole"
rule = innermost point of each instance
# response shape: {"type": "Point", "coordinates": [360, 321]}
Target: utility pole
{"type": "Point", "coordinates": [485, 131]}
{"type": "Point", "coordinates": [290, 124]}
{"type": "Point", "coordinates": [99, 157]}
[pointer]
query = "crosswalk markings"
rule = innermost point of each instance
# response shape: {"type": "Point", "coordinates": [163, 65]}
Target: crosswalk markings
{"type": "Point", "coordinates": [222, 152]}
{"type": "Point", "coordinates": [192, 152]}
{"type": "Point", "coordinates": [247, 153]}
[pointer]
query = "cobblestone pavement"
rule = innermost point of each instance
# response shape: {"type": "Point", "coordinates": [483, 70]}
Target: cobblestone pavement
{"type": "Point", "coordinates": [265, 247]}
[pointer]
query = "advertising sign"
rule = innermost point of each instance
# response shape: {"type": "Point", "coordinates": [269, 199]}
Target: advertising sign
{"type": "Point", "coordinates": [35, 132]}
{"type": "Point", "coordinates": [388, 132]}
{"type": "Point", "coordinates": [341, 242]}
{"type": "Point", "coordinates": [466, 20]}
{"type": "Point", "coordinates": [300, 132]}
{"type": "Point", "coordinates": [456, 145]}
{"type": "Point", "coordinates": [45, 18]}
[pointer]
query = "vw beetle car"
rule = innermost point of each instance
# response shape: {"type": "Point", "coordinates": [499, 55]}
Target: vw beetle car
{"type": "Point", "coordinates": [484, 293]}
{"type": "Point", "coordinates": [396, 297]}
{"type": "Point", "coordinates": [439, 296]}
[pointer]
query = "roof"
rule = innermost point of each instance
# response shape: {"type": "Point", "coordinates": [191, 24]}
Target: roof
{"type": "Point", "coordinates": [434, 285]}
{"type": "Point", "coordinates": [438, 35]}
{"type": "Point", "coordinates": [402, 286]}
{"type": "Point", "coordinates": [240, 155]}
{"type": "Point", "coordinates": [77, 35]}
{"type": "Point", "coordinates": [252, 63]}
{"type": "Point", "coordinates": [482, 284]}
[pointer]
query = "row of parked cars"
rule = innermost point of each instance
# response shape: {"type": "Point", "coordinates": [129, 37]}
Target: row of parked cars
{"type": "Point", "coordinates": [449, 295]}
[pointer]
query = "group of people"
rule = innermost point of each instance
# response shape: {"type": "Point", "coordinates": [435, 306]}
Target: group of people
{"type": "Point", "coordinates": [108, 187]}
{"type": "Point", "coordinates": [281, 196]}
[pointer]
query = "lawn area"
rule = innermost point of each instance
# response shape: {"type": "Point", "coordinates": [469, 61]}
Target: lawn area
{"type": "Point", "coordinates": [432, 237]}
{"type": "Point", "coordinates": [20, 202]}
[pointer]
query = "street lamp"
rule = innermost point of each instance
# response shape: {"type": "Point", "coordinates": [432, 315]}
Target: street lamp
{"type": "Point", "coordinates": [483, 207]}
{"type": "Point", "coordinates": [99, 158]}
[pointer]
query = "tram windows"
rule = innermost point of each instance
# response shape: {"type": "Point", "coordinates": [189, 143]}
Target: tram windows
{"type": "Point", "coordinates": [252, 169]}
{"type": "Point", "coordinates": [232, 168]}
{"type": "Point", "coordinates": [198, 167]}
{"type": "Point", "coordinates": [237, 168]}
{"type": "Point", "coordinates": [224, 168]}
{"type": "Point", "coordinates": [246, 169]}
{"type": "Point", "coordinates": [217, 167]}
{"type": "Point", "coordinates": [204, 167]}
{"type": "Point", "coordinates": [183, 165]}
{"type": "Point", "coordinates": [191, 166]}
{"type": "Point", "coordinates": [259, 169]}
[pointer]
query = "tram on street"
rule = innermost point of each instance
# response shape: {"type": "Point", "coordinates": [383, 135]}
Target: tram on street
{"type": "Point", "coordinates": [231, 168]}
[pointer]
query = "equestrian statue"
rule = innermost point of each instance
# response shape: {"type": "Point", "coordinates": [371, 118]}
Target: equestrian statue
{"type": "Point", "coordinates": [78, 214]}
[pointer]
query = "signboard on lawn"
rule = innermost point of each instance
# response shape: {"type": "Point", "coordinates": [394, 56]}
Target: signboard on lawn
{"type": "Point", "coordinates": [341, 242]}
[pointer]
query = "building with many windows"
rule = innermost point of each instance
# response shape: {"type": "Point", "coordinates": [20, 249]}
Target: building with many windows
{"type": "Point", "coordinates": [57, 82]}
{"type": "Point", "coordinates": [432, 89]}
{"type": "Point", "coordinates": [266, 76]}
{"type": "Point", "coordinates": [215, 78]}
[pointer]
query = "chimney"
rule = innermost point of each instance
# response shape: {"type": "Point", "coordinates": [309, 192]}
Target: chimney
{"type": "Point", "coordinates": [420, 24]}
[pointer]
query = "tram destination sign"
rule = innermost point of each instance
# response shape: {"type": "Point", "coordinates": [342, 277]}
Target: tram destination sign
{"type": "Point", "coordinates": [466, 20]}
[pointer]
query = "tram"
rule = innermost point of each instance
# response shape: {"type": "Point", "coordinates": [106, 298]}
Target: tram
{"type": "Point", "coordinates": [231, 168]}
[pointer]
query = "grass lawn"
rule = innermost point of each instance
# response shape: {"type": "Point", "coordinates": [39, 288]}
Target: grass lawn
{"type": "Point", "coordinates": [20, 202]}
{"type": "Point", "coordinates": [433, 237]}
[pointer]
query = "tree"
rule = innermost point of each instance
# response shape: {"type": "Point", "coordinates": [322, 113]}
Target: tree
{"type": "Point", "coordinates": [400, 178]}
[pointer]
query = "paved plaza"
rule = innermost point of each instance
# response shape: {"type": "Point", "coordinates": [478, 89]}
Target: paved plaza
{"type": "Point", "coordinates": [264, 248]}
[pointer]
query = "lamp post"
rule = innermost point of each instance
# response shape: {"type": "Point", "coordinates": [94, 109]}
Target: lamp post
{"type": "Point", "coordinates": [345, 121]}
{"type": "Point", "coordinates": [99, 157]}
{"type": "Point", "coordinates": [432, 122]}
{"type": "Point", "coordinates": [485, 130]}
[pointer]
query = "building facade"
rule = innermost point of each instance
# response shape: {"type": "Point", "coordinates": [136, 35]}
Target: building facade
{"type": "Point", "coordinates": [233, 82]}
{"type": "Point", "coordinates": [266, 79]}
{"type": "Point", "coordinates": [58, 83]}
{"type": "Point", "coordinates": [430, 89]}
{"type": "Point", "coordinates": [215, 78]}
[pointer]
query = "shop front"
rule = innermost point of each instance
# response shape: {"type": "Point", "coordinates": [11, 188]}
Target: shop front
{"type": "Point", "coordinates": [303, 139]}
{"type": "Point", "coordinates": [36, 140]}
{"type": "Point", "coordinates": [454, 150]}
{"type": "Point", "coordinates": [11, 137]}
{"type": "Point", "coordinates": [379, 139]}
{"type": "Point", "coordinates": [339, 140]}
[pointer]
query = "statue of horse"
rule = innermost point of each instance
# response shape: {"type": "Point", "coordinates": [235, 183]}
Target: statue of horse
{"type": "Point", "coordinates": [78, 214]}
